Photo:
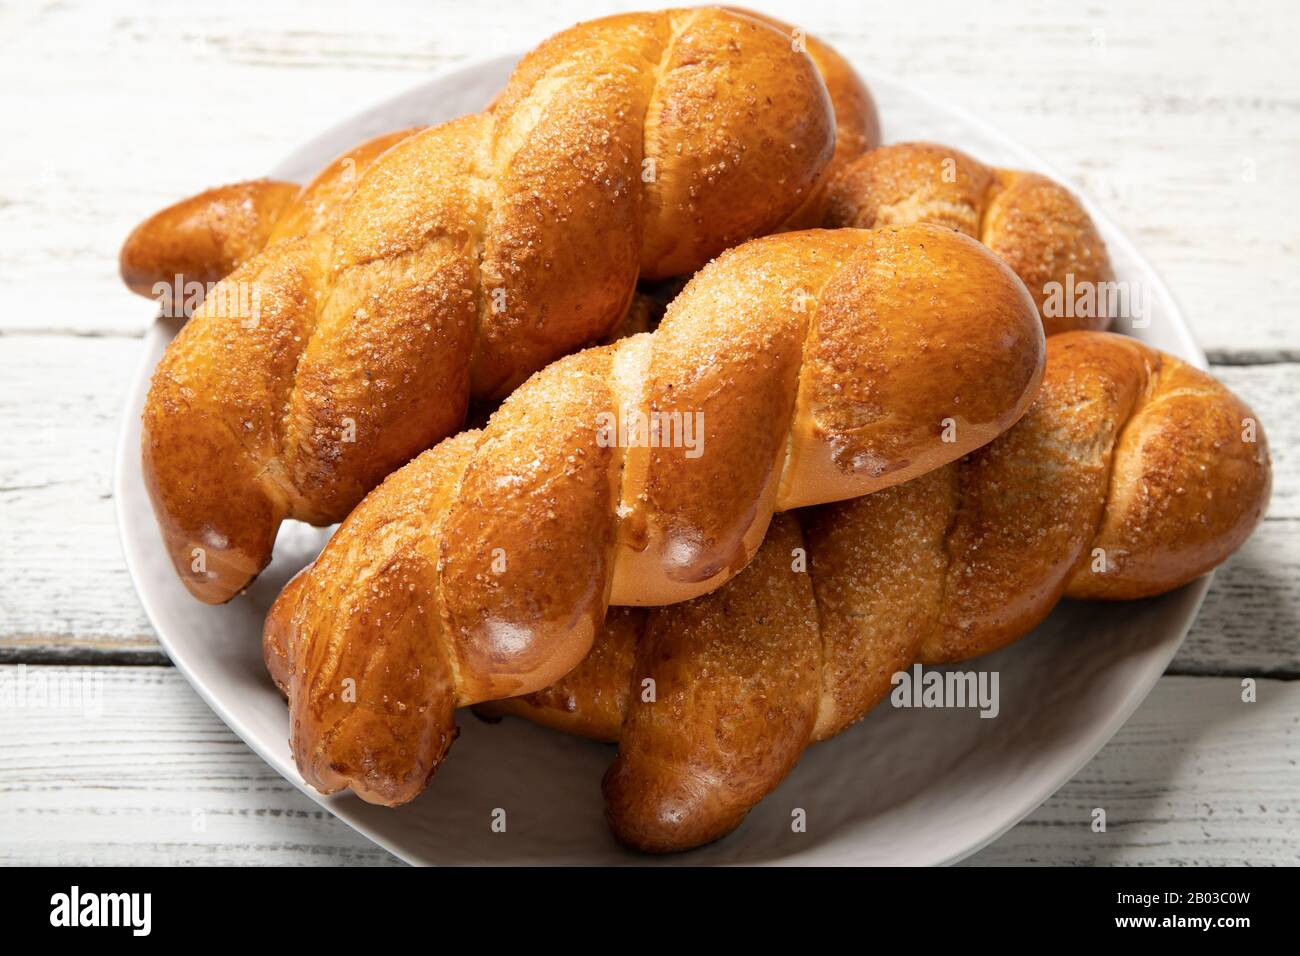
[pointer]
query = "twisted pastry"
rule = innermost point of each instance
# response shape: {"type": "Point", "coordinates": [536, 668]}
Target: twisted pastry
{"type": "Point", "coordinates": [1131, 474]}
{"type": "Point", "coordinates": [467, 256]}
{"type": "Point", "coordinates": [205, 237]}
{"type": "Point", "coordinates": [821, 365]}
{"type": "Point", "coordinates": [1034, 224]}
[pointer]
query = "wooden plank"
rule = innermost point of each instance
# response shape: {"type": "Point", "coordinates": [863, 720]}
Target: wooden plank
{"type": "Point", "coordinates": [65, 588]}
{"type": "Point", "coordinates": [1196, 777]}
{"type": "Point", "coordinates": [1250, 620]}
{"type": "Point", "coordinates": [156, 778]}
{"type": "Point", "coordinates": [1186, 132]}
{"type": "Point", "coordinates": [66, 596]}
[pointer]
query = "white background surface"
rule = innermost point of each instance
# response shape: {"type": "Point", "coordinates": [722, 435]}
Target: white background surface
{"type": "Point", "coordinates": [1182, 120]}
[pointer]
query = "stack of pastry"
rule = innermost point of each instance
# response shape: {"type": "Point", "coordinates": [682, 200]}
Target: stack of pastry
{"type": "Point", "coordinates": [837, 451]}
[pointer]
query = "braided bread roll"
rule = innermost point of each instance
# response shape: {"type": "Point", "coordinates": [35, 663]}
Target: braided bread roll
{"type": "Point", "coordinates": [822, 365]}
{"type": "Point", "coordinates": [205, 237]}
{"type": "Point", "coordinates": [1131, 474]}
{"type": "Point", "coordinates": [466, 257]}
{"type": "Point", "coordinates": [1034, 224]}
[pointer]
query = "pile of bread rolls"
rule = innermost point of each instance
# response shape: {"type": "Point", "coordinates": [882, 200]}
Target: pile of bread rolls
{"type": "Point", "coordinates": [856, 438]}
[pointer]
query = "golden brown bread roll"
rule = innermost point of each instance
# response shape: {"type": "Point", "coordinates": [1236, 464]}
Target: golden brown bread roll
{"type": "Point", "coordinates": [1036, 225]}
{"type": "Point", "coordinates": [467, 256]}
{"type": "Point", "coordinates": [1132, 473]}
{"type": "Point", "coordinates": [204, 238]}
{"type": "Point", "coordinates": [821, 365]}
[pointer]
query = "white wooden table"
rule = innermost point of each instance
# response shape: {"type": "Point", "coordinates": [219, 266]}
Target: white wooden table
{"type": "Point", "coordinates": [1183, 120]}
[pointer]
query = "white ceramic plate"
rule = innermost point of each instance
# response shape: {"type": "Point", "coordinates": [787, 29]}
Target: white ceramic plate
{"type": "Point", "coordinates": [902, 787]}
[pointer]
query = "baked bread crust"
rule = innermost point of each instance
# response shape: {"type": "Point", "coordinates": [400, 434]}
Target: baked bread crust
{"type": "Point", "coordinates": [823, 365]}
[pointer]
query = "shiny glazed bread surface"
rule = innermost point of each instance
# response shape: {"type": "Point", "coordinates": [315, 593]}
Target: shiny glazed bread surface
{"type": "Point", "coordinates": [465, 257]}
{"type": "Point", "coordinates": [1132, 473]}
{"type": "Point", "coordinates": [1034, 224]}
{"type": "Point", "coordinates": [206, 237]}
{"type": "Point", "coordinates": [822, 364]}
